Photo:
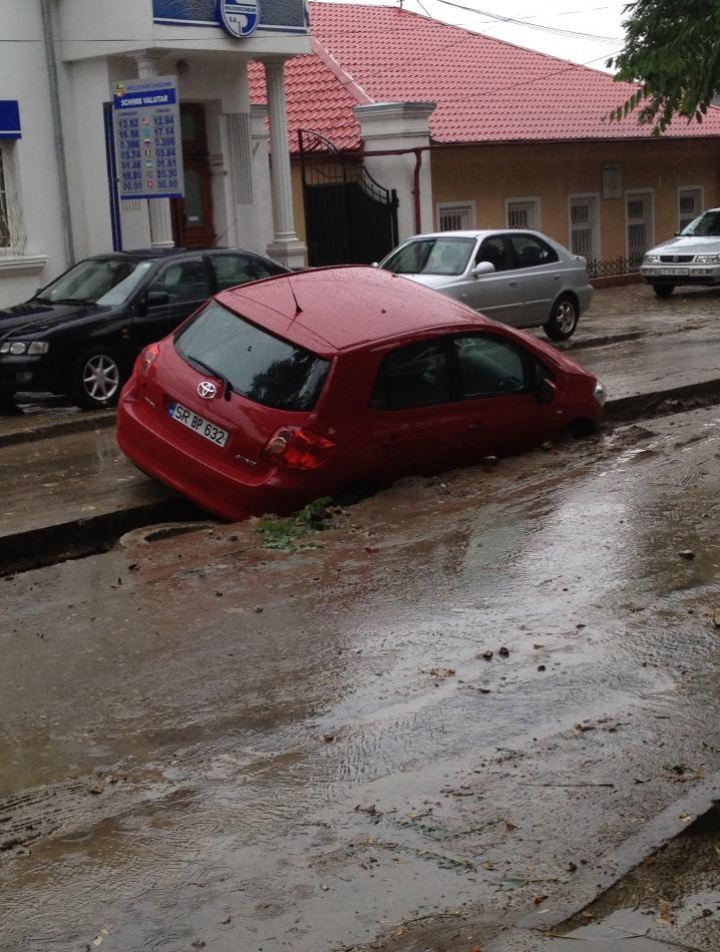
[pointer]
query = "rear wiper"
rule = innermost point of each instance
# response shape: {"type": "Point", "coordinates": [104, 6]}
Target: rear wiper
{"type": "Point", "coordinates": [227, 386]}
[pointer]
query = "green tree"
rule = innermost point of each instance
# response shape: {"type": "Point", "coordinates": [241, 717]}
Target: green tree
{"type": "Point", "coordinates": [672, 49]}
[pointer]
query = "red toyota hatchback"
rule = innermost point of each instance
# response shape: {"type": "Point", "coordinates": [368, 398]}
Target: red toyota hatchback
{"type": "Point", "coordinates": [303, 385]}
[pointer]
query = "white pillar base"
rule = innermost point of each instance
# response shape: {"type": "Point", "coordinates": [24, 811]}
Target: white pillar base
{"type": "Point", "coordinates": [292, 253]}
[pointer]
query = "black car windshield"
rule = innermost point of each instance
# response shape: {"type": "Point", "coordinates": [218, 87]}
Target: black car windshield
{"type": "Point", "coordinates": [708, 224]}
{"type": "Point", "coordinates": [104, 281]}
{"type": "Point", "coordinates": [431, 256]}
{"type": "Point", "coordinates": [256, 364]}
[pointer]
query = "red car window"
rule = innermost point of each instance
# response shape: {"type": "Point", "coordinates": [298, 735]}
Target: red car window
{"type": "Point", "coordinates": [255, 364]}
{"type": "Point", "coordinates": [416, 375]}
{"type": "Point", "coordinates": [490, 366]}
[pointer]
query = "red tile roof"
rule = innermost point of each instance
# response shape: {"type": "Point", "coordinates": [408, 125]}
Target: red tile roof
{"type": "Point", "coordinates": [486, 90]}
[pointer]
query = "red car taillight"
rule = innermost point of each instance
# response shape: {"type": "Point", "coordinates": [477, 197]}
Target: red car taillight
{"type": "Point", "coordinates": [145, 360]}
{"type": "Point", "coordinates": [297, 448]}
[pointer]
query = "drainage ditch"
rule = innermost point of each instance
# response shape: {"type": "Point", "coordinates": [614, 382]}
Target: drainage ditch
{"type": "Point", "coordinates": [50, 545]}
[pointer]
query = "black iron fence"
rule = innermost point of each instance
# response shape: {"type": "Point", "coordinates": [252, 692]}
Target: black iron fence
{"type": "Point", "coordinates": [614, 267]}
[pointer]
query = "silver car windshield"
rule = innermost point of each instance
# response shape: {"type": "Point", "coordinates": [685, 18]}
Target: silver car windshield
{"type": "Point", "coordinates": [707, 225]}
{"type": "Point", "coordinates": [104, 281]}
{"type": "Point", "coordinates": [431, 256]}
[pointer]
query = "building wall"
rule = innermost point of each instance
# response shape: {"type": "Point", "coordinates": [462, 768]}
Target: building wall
{"type": "Point", "coordinates": [32, 181]}
{"type": "Point", "coordinates": [95, 46]}
{"type": "Point", "coordinates": [490, 175]}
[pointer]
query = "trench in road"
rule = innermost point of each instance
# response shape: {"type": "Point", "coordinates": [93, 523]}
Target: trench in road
{"type": "Point", "coordinates": [83, 537]}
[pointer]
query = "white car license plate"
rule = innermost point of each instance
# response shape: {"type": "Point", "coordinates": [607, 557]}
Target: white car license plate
{"type": "Point", "coordinates": [679, 271]}
{"type": "Point", "coordinates": [194, 421]}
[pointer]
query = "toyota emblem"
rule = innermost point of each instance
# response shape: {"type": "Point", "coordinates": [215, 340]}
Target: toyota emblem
{"type": "Point", "coordinates": [207, 389]}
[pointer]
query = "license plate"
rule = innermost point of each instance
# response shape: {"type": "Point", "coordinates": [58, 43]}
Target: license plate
{"type": "Point", "coordinates": [193, 421]}
{"type": "Point", "coordinates": [679, 271]}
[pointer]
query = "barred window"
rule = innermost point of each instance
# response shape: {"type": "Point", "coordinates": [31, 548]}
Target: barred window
{"type": "Point", "coordinates": [456, 217]}
{"type": "Point", "coordinates": [639, 225]}
{"type": "Point", "coordinates": [584, 226]}
{"type": "Point", "coordinates": [690, 204]}
{"type": "Point", "coordinates": [523, 213]}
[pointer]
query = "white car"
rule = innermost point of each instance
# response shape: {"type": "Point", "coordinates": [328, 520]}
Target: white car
{"type": "Point", "coordinates": [692, 257]}
{"type": "Point", "coordinates": [522, 278]}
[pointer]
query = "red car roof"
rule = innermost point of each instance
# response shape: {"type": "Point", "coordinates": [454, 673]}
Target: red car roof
{"type": "Point", "coordinates": [333, 309]}
{"type": "Point", "coordinates": [486, 90]}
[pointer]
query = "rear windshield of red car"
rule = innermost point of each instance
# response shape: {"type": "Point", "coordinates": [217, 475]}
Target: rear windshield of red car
{"type": "Point", "coordinates": [257, 365]}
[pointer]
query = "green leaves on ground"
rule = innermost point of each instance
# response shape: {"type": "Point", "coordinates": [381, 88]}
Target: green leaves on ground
{"type": "Point", "coordinates": [291, 534]}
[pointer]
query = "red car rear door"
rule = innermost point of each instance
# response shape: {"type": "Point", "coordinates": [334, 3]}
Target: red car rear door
{"type": "Point", "coordinates": [416, 424]}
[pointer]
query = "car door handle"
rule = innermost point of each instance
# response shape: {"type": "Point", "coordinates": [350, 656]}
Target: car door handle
{"type": "Point", "coordinates": [391, 443]}
{"type": "Point", "coordinates": [474, 427]}
{"type": "Point", "coordinates": [513, 284]}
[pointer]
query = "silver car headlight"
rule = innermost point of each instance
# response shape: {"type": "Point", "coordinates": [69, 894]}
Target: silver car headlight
{"type": "Point", "coordinates": [18, 347]}
{"type": "Point", "coordinates": [600, 393]}
{"type": "Point", "coordinates": [707, 259]}
{"type": "Point", "coordinates": [651, 259]}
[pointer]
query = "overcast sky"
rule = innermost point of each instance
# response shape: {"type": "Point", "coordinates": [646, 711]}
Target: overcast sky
{"type": "Point", "coordinates": [583, 31]}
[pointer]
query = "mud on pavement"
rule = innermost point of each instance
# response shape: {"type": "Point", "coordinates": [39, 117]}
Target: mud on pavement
{"type": "Point", "coordinates": [406, 732]}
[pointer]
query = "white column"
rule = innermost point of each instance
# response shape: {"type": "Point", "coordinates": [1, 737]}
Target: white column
{"type": "Point", "coordinates": [285, 247]}
{"type": "Point", "coordinates": [401, 125]}
{"type": "Point", "coordinates": [158, 208]}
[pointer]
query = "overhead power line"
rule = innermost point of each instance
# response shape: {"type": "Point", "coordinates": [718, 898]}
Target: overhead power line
{"type": "Point", "coordinates": [557, 31]}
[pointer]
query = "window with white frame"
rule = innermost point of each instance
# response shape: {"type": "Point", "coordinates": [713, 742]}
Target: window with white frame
{"type": "Point", "coordinates": [12, 236]}
{"type": "Point", "coordinates": [4, 204]}
{"type": "Point", "coordinates": [456, 216]}
{"type": "Point", "coordinates": [584, 227]}
{"type": "Point", "coordinates": [690, 204]}
{"type": "Point", "coordinates": [639, 226]}
{"type": "Point", "coordinates": [523, 213]}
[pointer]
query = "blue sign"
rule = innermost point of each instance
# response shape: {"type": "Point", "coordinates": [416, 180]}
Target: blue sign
{"type": "Point", "coordinates": [148, 138]}
{"type": "Point", "coordinates": [239, 17]}
{"type": "Point", "coordinates": [273, 16]}
{"type": "Point", "coordinates": [10, 119]}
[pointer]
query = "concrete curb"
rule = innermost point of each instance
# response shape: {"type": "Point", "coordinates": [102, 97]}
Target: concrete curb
{"type": "Point", "coordinates": [79, 424]}
{"type": "Point", "coordinates": [78, 538]}
{"type": "Point", "coordinates": [640, 405]}
{"type": "Point", "coordinates": [601, 340]}
{"type": "Point", "coordinates": [588, 885]}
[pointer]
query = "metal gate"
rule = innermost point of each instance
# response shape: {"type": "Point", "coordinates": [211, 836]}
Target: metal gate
{"type": "Point", "coordinates": [349, 217]}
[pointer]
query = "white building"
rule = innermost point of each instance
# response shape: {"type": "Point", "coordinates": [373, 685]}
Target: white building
{"type": "Point", "coordinates": [61, 61]}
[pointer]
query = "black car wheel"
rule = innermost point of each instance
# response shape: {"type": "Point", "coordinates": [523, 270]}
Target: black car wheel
{"type": "Point", "coordinates": [563, 319]}
{"type": "Point", "coordinates": [663, 290]}
{"type": "Point", "coordinates": [97, 379]}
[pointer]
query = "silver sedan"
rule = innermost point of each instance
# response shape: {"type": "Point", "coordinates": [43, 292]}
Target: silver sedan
{"type": "Point", "coordinates": [522, 278]}
{"type": "Point", "coordinates": [692, 257]}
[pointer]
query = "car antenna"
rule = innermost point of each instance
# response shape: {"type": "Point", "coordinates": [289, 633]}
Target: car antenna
{"type": "Point", "coordinates": [298, 309]}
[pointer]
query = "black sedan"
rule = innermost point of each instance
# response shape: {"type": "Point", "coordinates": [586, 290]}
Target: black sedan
{"type": "Point", "coordinates": [81, 334]}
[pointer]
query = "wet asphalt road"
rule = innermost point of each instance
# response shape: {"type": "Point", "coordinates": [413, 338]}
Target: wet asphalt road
{"type": "Point", "coordinates": [207, 741]}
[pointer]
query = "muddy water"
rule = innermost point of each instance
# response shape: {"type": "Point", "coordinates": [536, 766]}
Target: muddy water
{"type": "Point", "coordinates": [206, 741]}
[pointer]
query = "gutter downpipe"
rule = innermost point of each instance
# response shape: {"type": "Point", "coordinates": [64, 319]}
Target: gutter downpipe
{"type": "Point", "coordinates": [416, 191]}
{"type": "Point", "coordinates": [51, 60]}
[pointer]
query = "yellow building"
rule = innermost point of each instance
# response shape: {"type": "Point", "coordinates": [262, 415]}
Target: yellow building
{"type": "Point", "coordinates": [400, 124]}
